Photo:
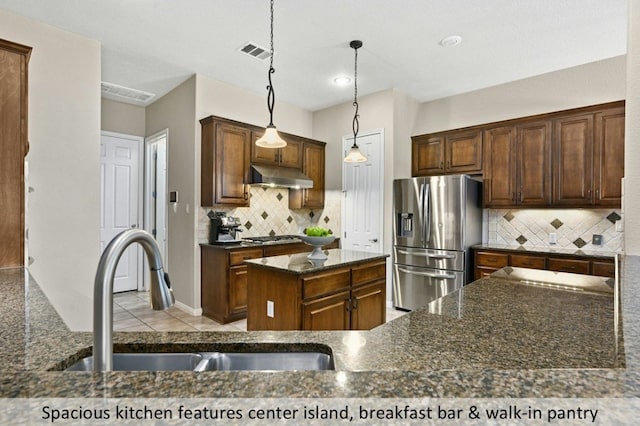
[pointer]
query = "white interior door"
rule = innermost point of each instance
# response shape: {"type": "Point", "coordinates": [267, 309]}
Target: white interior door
{"type": "Point", "coordinates": [362, 189]}
{"type": "Point", "coordinates": [160, 225]}
{"type": "Point", "coordinates": [120, 190]}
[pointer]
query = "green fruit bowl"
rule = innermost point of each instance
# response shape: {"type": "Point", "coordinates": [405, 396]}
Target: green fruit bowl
{"type": "Point", "coordinates": [317, 243]}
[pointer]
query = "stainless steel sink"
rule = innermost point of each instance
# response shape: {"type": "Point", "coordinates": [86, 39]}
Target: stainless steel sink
{"type": "Point", "coordinates": [145, 362]}
{"type": "Point", "coordinates": [214, 361]}
{"type": "Point", "coordinates": [265, 361]}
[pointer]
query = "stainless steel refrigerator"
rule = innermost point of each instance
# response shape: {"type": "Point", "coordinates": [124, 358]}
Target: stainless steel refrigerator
{"type": "Point", "coordinates": [436, 219]}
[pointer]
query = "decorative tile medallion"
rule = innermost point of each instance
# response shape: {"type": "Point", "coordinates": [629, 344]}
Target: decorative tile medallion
{"type": "Point", "coordinates": [521, 239]}
{"type": "Point", "coordinates": [326, 219]}
{"type": "Point", "coordinates": [265, 215]}
{"type": "Point", "coordinates": [556, 223]}
{"type": "Point", "coordinates": [289, 219]}
{"type": "Point", "coordinates": [509, 216]}
{"type": "Point", "coordinates": [579, 242]}
{"type": "Point", "coordinates": [279, 196]}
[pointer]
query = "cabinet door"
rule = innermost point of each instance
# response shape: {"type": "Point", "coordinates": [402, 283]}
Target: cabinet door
{"type": "Point", "coordinates": [291, 155]}
{"type": "Point", "coordinates": [312, 166]}
{"type": "Point", "coordinates": [528, 261]}
{"type": "Point", "coordinates": [534, 164]}
{"type": "Point", "coordinates": [463, 153]}
{"type": "Point", "coordinates": [608, 160]}
{"type": "Point", "coordinates": [368, 306]}
{"type": "Point", "coordinates": [232, 164]}
{"type": "Point", "coordinates": [327, 313]}
{"type": "Point", "coordinates": [499, 184]}
{"type": "Point", "coordinates": [237, 289]}
{"type": "Point", "coordinates": [573, 160]}
{"type": "Point", "coordinates": [427, 155]}
{"type": "Point", "coordinates": [261, 155]}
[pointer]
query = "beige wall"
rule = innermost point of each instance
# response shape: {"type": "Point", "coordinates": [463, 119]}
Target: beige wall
{"type": "Point", "coordinates": [176, 111]}
{"type": "Point", "coordinates": [124, 118]}
{"type": "Point", "coordinates": [631, 207]}
{"type": "Point", "coordinates": [589, 84]}
{"type": "Point", "coordinates": [63, 213]}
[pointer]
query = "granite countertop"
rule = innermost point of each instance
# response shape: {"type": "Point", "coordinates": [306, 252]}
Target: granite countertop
{"type": "Point", "coordinates": [301, 264]}
{"type": "Point", "coordinates": [494, 338]}
{"type": "Point", "coordinates": [547, 250]}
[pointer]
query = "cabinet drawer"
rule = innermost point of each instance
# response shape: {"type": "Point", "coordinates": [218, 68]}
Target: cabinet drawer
{"type": "Point", "coordinates": [494, 260]}
{"type": "Point", "coordinates": [368, 272]}
{"type": "Point", "coordinates": [569, 265]}
{"type": "Point", "coordinates": [325, 283]}
{"type": "Point", "coordinates": [532, 262]}
{"type": "Point", "coordinates": [603, 268]}
{"type": "Point", "coordinates": [237, 257]}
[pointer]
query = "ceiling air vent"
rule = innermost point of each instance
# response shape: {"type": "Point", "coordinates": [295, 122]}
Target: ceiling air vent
{"type": "Point", "coordinates": [255, 51]}
{"type": "Point", "coordinates": [125, 94]}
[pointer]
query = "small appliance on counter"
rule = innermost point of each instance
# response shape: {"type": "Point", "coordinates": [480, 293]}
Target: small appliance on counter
{"type": "Point", "coordinates": [223, 229]}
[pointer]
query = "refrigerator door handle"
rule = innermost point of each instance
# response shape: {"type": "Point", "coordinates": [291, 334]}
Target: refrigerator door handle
{"type": "Point", "coordinates": [432, 256]}
{"type": "Point", "coordinates": [429, 274]}
{"type": "Point", "coordinates": [427, 215]}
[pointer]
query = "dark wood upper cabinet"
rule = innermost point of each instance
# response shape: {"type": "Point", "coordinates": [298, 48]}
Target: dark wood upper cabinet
{"type": "Point", "coordinates": [608, 162]}
{"type": "Point", "coordinates": [225, 163]}
{"type": "Point", "coordinates": [573, 160]}
{"type": "Point", "coordinates": [455, 152]}
{"type": "Point", "coordinates": [313, 165]}
{"type": "Point", "coordinates": [14, 60]}
{"type": "Point", "coordinates": [289, 156]}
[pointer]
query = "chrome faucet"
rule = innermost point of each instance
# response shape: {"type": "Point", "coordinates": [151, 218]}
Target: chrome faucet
{"type": "Point", "coordinates": [161, 294]}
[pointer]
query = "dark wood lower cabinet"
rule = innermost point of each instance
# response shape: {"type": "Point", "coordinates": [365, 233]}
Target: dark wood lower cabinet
{"type": "Point", "coordinates": [488, 261]}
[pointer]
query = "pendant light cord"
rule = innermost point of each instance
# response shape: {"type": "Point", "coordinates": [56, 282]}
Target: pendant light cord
{"type": "Point", "coordinates": [271, 95]}
{"type": "Point", "coordinates": [356, 123]}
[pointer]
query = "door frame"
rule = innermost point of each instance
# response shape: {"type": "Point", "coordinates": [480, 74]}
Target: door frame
{"type": "Point", "coordinates": [140, 216]}
{"type": "Point", "coordinates": [347, 142]}
{"type": "Point", "coordinates": [146, 199]}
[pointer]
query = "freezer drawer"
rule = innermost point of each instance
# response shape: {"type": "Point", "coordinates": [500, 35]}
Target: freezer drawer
{"type": "Point", "coordinates": [429, 258]}
{"type": "Point", "coordinates": [414, 287]}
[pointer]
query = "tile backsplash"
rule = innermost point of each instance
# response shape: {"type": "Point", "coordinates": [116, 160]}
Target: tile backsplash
{"type": "Point", "coordinates": [269, 214]}
{"type": "Point", "coordinates": [573, 228]}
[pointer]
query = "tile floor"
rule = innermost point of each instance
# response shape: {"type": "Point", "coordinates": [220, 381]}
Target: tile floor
{"type": "Point", "coordinates": [131, 312]}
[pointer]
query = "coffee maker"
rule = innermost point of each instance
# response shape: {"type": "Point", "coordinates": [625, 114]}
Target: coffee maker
{"type": "Point", "coordinates": [223, 229]}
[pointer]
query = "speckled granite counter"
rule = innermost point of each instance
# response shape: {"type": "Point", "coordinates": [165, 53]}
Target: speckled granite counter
{"type": "Point", "coordinates": [299, 263]}
{"type": "Point", "coordinates": [495, 339]}
{"type": "Point", "coordinates": [547, 250]}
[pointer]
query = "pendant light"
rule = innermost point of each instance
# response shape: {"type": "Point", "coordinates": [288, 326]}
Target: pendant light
{"type": "Point", "coordinates": [355, 156]}
{"type": "Point", "coordinates": [271, 138]}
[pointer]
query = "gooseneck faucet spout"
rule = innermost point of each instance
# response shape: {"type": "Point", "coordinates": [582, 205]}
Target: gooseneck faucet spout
{"type": "Point", "coordinates": [161, 295]}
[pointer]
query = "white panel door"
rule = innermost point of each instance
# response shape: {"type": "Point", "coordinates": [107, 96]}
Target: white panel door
{"type": "Point", "coordinates": [161, 200]}
{"type": "Point", "coordinates": [120, 181]}
{"type": "Point", "coordinates": [362, 188]}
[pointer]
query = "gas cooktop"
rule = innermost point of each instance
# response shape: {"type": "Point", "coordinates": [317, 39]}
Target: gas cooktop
{"type": "Point", "coordinates": [272, 238]}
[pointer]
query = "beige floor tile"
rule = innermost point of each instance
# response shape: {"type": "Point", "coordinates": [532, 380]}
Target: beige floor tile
{"type": "Point", "coordinates": [173, 326]}
{"type": "Point", "coordinates": [126, 323]}
{"type": "Point", "coordinates": [139, 327]}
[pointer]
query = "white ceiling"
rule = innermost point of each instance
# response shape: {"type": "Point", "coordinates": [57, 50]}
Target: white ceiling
{"type": "Point", "coordinates": [154, 45]}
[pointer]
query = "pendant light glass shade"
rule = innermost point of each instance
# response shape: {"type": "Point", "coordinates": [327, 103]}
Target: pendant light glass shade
{"type": "Point", "coordinates": [354, 155]}
{"type": "Point", "coordinates": [271, 139]}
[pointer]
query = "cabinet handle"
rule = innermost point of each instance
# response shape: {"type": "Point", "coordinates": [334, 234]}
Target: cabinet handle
{"type": "Point", "coordinates": [597, 194]}
{"type": "Point", "coordinates": [520, 196]}
{"type": "Point", "coordinates": [442, 164]}
{"type": "Point", "coordinates": [354, 304]}
{"type": "Point", "coordinates": [348, 305]}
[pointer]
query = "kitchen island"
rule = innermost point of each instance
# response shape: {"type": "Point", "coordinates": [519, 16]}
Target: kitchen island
{"type": "Point", "coordinates": [496, 339]}
{"type": "Point", "coordinates": [345, 291]}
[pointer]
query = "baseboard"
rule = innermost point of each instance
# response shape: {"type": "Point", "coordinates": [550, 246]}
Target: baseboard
{"type": "Point", "coordinates": [188, 309]}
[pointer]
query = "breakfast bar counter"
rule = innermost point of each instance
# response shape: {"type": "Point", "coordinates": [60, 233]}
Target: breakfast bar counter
{"type": "Point", "coordinates": [494, 338]}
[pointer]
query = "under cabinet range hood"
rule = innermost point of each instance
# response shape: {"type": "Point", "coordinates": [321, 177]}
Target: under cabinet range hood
{"type": "Point", "coordinates": [279, 177]}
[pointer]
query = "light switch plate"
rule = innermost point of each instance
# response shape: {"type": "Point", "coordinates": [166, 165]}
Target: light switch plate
{"type": "Point", "coordinates": [270, 308]}
{"type": "Point", "coordinates": [553, 238]}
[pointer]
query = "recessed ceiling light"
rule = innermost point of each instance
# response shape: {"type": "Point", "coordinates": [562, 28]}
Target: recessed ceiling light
{"type": "Point", "coordinates": [342, 80]}
{"type": "Point", "coordinates": [453, 40]}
